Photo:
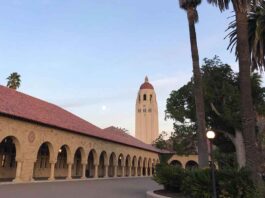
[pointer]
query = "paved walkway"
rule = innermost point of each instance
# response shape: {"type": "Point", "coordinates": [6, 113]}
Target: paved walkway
{"type": "Point", "coordinates": [104, 188]}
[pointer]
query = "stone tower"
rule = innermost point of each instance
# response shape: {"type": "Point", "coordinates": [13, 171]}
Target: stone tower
{"type": "Point", "coordinates": [146, 114]}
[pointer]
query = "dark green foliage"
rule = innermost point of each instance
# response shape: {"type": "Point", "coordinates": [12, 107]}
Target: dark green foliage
{"type": "Point", "coordinates": [256, 35]}
{"type": "Point", "coordinates": [197, 183]}
{"type": "Point", "coordinates": [160, 142]}
{"type": "Point", "coordinates": [225, 159]}
{"type": "Point", "coordinates": [13, 81]}
{"type": "Point", "coordinates": [236, 183]}
{"type": "Point", "coordinates": [222, 101]}
{"type": "Point", "coordinates": [170, 177]}
{"type": "Point", "coordinates": [184, 139]}
{"type": "Point", "coordinates": [165, 157]}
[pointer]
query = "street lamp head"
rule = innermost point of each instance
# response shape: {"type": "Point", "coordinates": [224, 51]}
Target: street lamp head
{"type": "Point", "coordinates": [210, 134]}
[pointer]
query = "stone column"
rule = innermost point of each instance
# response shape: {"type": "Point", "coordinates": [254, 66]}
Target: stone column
{"type": "Point", "coordinates": [52, 171]}
{"type": "Point", "coordinates": [83, 171]}
{"type": "Point", "coordinates": [69, 172]}
{"type": "Point", "coordinates": [96, 171]}
{"type": "Point", "coordinates": [146, 172]}
{"type": "Point", "coordinates": [141, 171]}
{"type": "Point", "coordinates": [135, 171]}
{"type": "Point", "coordinates": [18, 172]}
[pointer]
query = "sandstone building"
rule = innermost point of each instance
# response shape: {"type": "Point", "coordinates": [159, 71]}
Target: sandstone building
{"type": "Point", "coordinates": [41, 141]}
{"type": "Point", "coordinates": [146, 114]}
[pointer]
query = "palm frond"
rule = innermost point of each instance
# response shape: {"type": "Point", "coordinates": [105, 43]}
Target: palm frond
{"type": "Point", "coordinates": [256, 36]}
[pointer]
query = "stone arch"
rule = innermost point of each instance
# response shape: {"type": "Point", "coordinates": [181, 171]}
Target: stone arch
{"type": "Point", "coordinates": [120, 168]}
{"type": "Point", "coordinates": [78, 161]}
{"type": "Point", "coordinates": [63, 161]}
{"type": "Point", "coordinates": [176, 163]}
{"type": "Point", "coordinates": [140, 166]}
{"type": "Point", "coordinates": [10, 154]}
{"type": "Point", "coordinates": [92, 161]}
{"type": "Point", "coordinates": [191, 164]}
{"type": "Point", "coordinates": [128, 166]}
{"type": "Point", "coordinates": [44, 158]}
{"type": "Point", "coordinates": [112, 164]}
{"type": "Point", "coordinates": [103, 163]}
{"type": "Point", "coordinates": [134, 165]}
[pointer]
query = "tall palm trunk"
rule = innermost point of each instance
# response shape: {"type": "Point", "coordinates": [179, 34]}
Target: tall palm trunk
{"type": "Point", "coordinates": [199, 101]}
{"type": "Point", "coordinates": [246, 106]}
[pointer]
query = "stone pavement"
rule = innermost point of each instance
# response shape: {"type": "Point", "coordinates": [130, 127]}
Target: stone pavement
{"type": "Point", "coordinates": [101, 188]}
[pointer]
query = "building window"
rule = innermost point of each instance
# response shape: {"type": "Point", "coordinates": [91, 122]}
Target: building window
{"type": "Point", "coordinates": [139, 97]}
{"type": "Point", "coordinates": [151, 98]}
{"type": "Point", "coordinates": [149, 110]}
{"type": "Point", "coordinates": [144, 97]}
{"type": "Point", "coordinates": [139, 110]}
{"type": "Point", "coordinates": [144, 110]}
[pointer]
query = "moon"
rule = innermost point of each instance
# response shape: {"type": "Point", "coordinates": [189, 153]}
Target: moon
{"type": "Point", "coordinates": [103, 107]}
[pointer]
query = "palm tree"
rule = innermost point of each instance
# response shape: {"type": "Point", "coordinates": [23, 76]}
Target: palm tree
{"type": "Point", "coordinates": [246, 106]}
{"type": "Point", "coordinates": [13, 81]}
{"type": "Point", "coordinates": [256, 36]}
{"type": "Point", "coordinates": [190, 7]}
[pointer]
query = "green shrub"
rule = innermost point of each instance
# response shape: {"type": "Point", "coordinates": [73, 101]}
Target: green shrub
{"type": "Point", "coordinates": [236, 183]}
{"type": "Point", "coordinates": [230, 183]}
{"type": "Point", "coordinates": [170, 177]}
{"type": "Point", "coordinates": [197, 183]}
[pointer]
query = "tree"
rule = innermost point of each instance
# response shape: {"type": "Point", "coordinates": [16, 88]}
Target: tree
{"type": "Point", "coordinates": [161, 142]}
{"type": "Point", "coordinates": [222, 99]}
{"type": "Point", "coordinates": [184, 139]}
{"type": "Point", "coordinates": [256, 35]}
{"type": "Point", "coordinates": [13, 81]}
{"type": "Point", "coordinates": [191, 8]}
{"type": "Point", "coordinates": [246, 104]}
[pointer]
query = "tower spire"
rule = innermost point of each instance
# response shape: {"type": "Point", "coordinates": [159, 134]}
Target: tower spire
{"type": "Point", "coordinates": [146, 79]}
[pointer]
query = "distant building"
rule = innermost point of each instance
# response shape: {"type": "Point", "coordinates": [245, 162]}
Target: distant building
{"type": "Point", "coordinates": [146, 114]}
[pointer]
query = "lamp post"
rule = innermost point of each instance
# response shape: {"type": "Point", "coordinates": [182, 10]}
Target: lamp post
{"type": "Point", "coordinates": [211, 135]}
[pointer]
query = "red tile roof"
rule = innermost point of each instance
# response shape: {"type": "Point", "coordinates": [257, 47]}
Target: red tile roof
{"type": "Point", "coordinates": [19, 105]}
{"type": "Point", "coordinates": [146, 85]}
{"type": "Point", "coordinates": [116, 132]}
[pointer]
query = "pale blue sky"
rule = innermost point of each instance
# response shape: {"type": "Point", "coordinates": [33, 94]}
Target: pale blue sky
{"type": "Point", "coordinates": [90, 56]}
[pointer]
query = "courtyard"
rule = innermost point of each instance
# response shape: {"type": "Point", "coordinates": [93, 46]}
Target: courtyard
{"type": "Point", "coordinates": [114, 188]}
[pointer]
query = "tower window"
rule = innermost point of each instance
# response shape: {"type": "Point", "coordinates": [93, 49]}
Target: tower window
{"type": "Point", "coordinates": [149, 110]}
{"type": "Point", "coordinates": [144, 110]}
{"type": "Point", "coordinates": [151, 97]}
{"type": "Point", "coordinates": [144, 97]}
{"type": "Point", "coordinates": [139, 98]}
{"type": "Point", "coordinates": [139, 110]}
